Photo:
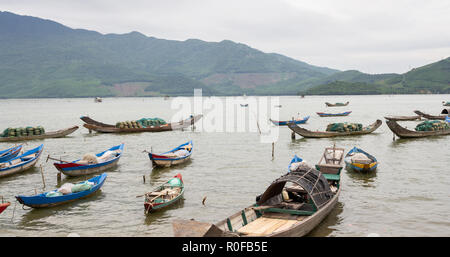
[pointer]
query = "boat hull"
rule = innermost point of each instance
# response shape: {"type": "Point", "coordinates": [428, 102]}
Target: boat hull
{"type": "Point", "coordinates": [285, 123]}
{"type": "Point", "coordinates": [3, 206]}
{"type": "Point", "coordinates": [54, 134]}
{"type": "Point", "coordinates": [406, 133]}
{"type": "Point", "coordinates": [322, 114]}
{"type": "Point", "coordinates": [312, 134]}
{"type": "Point", "coordinates": [22, 167]}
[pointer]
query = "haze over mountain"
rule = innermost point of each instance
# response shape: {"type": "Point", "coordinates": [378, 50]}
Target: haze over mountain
{"type": "Point", "coordinates": [42, 58]}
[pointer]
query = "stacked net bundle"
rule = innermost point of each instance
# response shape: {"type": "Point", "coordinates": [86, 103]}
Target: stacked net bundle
{"type": "Point", "coordinates": [344, 127]}
{"type": "Point", "coordinates": [432, 125]}
{"type": "Point", "coordinates": [23, 132]}
{"type": "Point", "coordinates": [141, 123]}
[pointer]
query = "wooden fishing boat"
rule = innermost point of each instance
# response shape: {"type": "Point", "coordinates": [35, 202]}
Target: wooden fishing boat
{"type": "Point", "coordinates": [244, 105]}
{"type": "Point", "coordinates": [321, 134]}
{"type": "Point", "coordinates": [279, 106]}
{"type": "Point", "coordinates": [104, 160]}
{"type": "Point", "coordinates": [179, 154]}
{"type": "Point", "coordinates": [445, 103]}
{"type": "Point", "coordinates": [336, 104]}
{"type": "Point", "coordinates": [98, 100]}
{"type": "Point", "coordinates": [43, 201]}
{"type": "Point", "coordinates": [403, 118]}
{"type": "Point", "coordinates": [10, 153]}
{"type": "Point", "coordinates": [292, 206]}
{"type": "Point", "coordinates": [22, 162]}
{"type": "Point", "coordinates": [285, 123]}
{"type": "Point", "coordinates": [406, 133]}
{"type": "Point", "coordinates": [3, 206]}
{"type": "Point", "coordinates": [165, 195]}
{"type": "Point", "coordinates": [53, 134]}
{"type": "Point", "coordinates": [331, 161]}
{"type": "Point", "coordinates": [444, 113]}
{"type": "Point", "coordinates": [107, 128]}
{"type": "Point", "coordinates": [323, 114]}
{"type": "Point", "coordinates": [361, 161]}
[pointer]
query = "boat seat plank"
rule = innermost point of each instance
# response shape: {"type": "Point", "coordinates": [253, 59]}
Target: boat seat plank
{"type": "Point", "coordinates": [266, 225]}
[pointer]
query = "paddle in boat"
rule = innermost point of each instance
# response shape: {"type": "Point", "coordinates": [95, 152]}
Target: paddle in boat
{"type": "Point", "coordinates": [22, 162]}
{"type": "Point", "coordinates": [90, 163]}
{"type": "Point", "coordinates": [179, 154]}
{"type": "Point", "coordinates": [285, 123]}
{"type": "Point", "coordinates": [10, 153]}
{"type": "Point", "coordinates": [359, 160]}
{"type": "Point", "coordinates": [323, 114]}
{"type": "Point", "coordinates": [292, 206]}
{"type": "Point", "coordinates": [322, 134]}
{"type": "Point", "coordinates": [52, 134]}
{"type": "Point", "coordinates": [165, 195]}
{"type": "Point", "coordinates": [97, 126]}
{"type": "Point", "coordinates": [65, 194]}
{"type": "Point", "coordinates": [336, 104]}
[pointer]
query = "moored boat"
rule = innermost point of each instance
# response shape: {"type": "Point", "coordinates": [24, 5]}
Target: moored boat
{"type": "Point", "coordinates": [53, 134]}
{"type": "Point", "coordinates": [323, 114]}
{"type": "Point", "coordinates": [21, 162]}
{"type": "Point", "coordinates": [285, 123]}
{"type": "Point", "coordinates": [359, 160]}
{"type": "Point", "coordinates": [322, 134]}
{"type": "Point", "coordinates": [336, 104]}
{"type": "Point", "coordinates": [57, 196]}
{"type": "Point", "coordinates": [3, 206]}
{"type": "Point", "coordinates": [331, 161]}
{"type": "Point", "coordinates": [10, 153]}
{"type": "Point", "coordinates": [407, 133]}
{"type": "Point", "coordinates": [442, 116]}
{"type": "Point", "coordinates": [292, 206]}
{"type": "Point", "coordinates": [445, 103]}
{"type": "Point", "coordinates": [403, 118]}
{"type": "Point", "coordinates": [244, 105]}
{"type": "Point", "coordinates": [165, 195]}
{"type": "Point", "coordinates": [91, 164]}
{"type": "Point", "coordinates": [179, 154]}
{"type": "Point", "coordinates": [107, 128]}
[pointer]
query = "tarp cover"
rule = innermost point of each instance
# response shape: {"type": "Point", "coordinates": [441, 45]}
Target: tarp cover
{"type": "Point", "coordinates": [309, 179]}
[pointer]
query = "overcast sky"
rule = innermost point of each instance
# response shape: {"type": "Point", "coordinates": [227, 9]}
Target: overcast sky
{"type": "Point", "coordinates": [373, 36]}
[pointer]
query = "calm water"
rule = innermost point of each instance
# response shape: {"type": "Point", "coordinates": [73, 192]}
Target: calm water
{"type": "Point", "coordinates": [407, 196]}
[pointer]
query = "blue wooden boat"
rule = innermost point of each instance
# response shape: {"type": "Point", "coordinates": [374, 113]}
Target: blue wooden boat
{"type": "Point", "coordinates": [323, 114]}
{"type": "Point", "coordinates": [105, 160]}
{"type": "Point", "coordinates": [41, 200]}
{"type": "Point", "coordinates": [285, 123]}
{"type": "Point", "coordinates": [364, 164]}
{"type": "Point", "coordinates": [22, 162]}
{"type": "Point", "coordinates": [10, 153]}
{"type": "Point", "coordinates": [170, 158]}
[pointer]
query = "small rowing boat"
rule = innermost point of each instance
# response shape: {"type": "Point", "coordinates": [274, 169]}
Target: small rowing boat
{"type": "Point", "coordinates": [108, 128]}
{"type": "Point", "coordinates": [323, 114]}
{"type": "Point", "coordinates": [179, 154]}
{"type": "Point", "coordinates": [336, 104]}
{"type": "Point", "coordinates": [359, 160]}
{"type": "Point", "coordinates": [53, 134]}
{"type": "Point", "coordinates": [22, 162]}
{"type": "Point", "coordinates": [322, 134]}
{"type": "Point", "coordinates": [56, 197]}
{"type": "Point", "coordinates": [331, 161]}
{"type": "Point", "coordinates": [285, 123]}
{"type": "Point", "coordinates": [403, 118]}
{"type": "Point", "coordinates": [10, 153]}
{"type": "Point", "coordinates": [442, 116]}
{"type": "Point", "coordinates": [165, 195]}
{"type": "Point", "coordinates": [91, 164]}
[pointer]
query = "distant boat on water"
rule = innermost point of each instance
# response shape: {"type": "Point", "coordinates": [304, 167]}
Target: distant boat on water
{"type": "Point", "coordinates": [98, 100]}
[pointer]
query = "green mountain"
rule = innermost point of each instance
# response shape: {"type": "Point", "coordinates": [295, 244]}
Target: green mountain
{"type": "Point", "coordinates": [431, 78]}
{"type": "Point", "coordinates": [42, 58]}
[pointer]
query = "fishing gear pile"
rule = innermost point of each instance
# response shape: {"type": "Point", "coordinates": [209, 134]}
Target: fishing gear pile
{"type": "Point", "coordinates": [344, 127]}
{"type": "Point", "coordinates": [23, 132]}
{"type": "Point", "coordinates": [432, 125]}
{"type": "Point", "coordinates": [142, 123]}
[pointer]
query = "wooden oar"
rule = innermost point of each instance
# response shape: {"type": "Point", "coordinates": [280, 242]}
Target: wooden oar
{"type": "Point", "coordinates": [48, 157]}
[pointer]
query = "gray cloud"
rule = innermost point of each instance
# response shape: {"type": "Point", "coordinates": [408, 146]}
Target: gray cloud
{"type": "Point", "coordinates": [371, 36]}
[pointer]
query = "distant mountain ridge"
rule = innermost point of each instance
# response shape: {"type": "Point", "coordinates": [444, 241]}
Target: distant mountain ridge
{"type": "Point", "coordinates": [43, 58]}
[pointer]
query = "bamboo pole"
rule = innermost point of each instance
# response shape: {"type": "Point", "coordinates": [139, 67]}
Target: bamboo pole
{"type": "Point", "coordinates": [273, 150]}
{"type": "Point", "coordinates": [42, 174]}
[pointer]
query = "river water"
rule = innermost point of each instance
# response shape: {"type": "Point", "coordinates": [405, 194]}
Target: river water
{"type": "Point", "coordinates": [407, 196]}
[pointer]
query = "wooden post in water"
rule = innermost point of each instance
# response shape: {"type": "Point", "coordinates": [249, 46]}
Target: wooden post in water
{"type": "Point", "coordinates": [393, 136]}
{"type": "Point", "coordinates": [293, 135]}
{"type": "Point", "coordinates": [143, 177]}
{"type": "Point", "coordinates": [58, 177]}
{"type": "Point", "coordinates": [42, 174]}
{"type": "Point", "coordinates": [273, 150]}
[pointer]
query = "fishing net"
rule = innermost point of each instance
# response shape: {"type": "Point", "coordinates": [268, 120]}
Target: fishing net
{"type": "Point", "coordinates": [344, 127]}
{"type": "Point", "coordinates": [141, 123]}
{"type": "Point", "coordinates": [432, 125]}
{"type": "Point", "coordinates": [23, 132]}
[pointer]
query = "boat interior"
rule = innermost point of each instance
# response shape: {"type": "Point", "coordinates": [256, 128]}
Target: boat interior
{"type": "Point", "coordinates": [17, 161]}
{"type": "Point", "coordinates": [166, 194]}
